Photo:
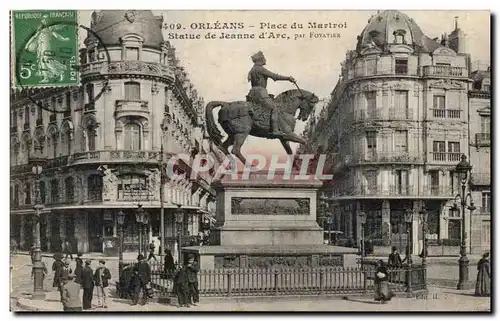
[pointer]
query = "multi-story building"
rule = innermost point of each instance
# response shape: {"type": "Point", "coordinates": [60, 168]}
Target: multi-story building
{"type": "Point", "coordinates": [102, 142]}
{"type": "Point", "coordinates": [480, 158]}
{"type": "Point", "coordinates": [398, 124]}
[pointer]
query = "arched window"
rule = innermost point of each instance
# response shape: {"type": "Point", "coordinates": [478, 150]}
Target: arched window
{"type": "Point", "coordinates": [27, 193]}
{"type": "Point", "coordinates": [132, 90]}
{"type": "Point", "coordinates": [69, 184]}
{"type": "Point", "coordinates": [132, 136]}
{"type": "Point", "coordinates": [43, 192]}
{"type": "Point", "coordinates": [54, 191]}
{"type": "Point", "coordinates": [91, 135]}
{"type": "Point", "coordinates": [94, 187]}
{"type": "Point", "coordinates": [54, 139]}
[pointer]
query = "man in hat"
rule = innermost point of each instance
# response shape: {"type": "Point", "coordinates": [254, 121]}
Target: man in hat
{"type": "Point", "coordinates": [192, 278]}
{"type": "Point", "coordinates": [70, 294]}
{"type": "Point", "coordinates": [257, 76]}
{"type": "Point", "coordinates": [101, 277]}
{"type": "Point", "coordinates": [87, 285]}
{"type": "Point", "coordinates": [141, 280]}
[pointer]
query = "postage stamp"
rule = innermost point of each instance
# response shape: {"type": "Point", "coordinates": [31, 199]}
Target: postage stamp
{"type": "Point", "coordinates": [45, 45]}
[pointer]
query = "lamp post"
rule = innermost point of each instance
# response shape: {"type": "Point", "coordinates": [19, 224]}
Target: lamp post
{"type": "Point", "coordinates": [463, 169]}
{"type": "Point", "coordinates": [179, 218]}
{"type": "Point", "coordinates": [362, 221]}
{"type": "Point", "coordinates": [423, 218]}
{"type": "Point", "coordinates": [409, 225]}
{"type": "Point", "coordinates": [38, 267]}
{"type": "Point", "coordinates": [120, 217]}
{"type": "Point", "coordinates": [141, 217]}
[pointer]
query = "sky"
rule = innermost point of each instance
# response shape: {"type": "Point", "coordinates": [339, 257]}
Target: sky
{"type": "Point", "coordinates": [218, 67]}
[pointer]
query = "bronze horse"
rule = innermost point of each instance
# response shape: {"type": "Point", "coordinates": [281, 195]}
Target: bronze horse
{"type": "Point", "coordinates": [242, 118]}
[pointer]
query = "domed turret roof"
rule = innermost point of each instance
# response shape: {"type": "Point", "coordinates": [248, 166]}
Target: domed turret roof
{"type": "Point", "coordinates": [111, 25]}
{"type": "Point", "coordinates": [382, 27]}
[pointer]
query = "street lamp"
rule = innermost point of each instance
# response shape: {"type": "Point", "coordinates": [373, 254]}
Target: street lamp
{"type": "Point", "coordinates": [362, 221]}
{"type": "Point", "coordinates": [409, 225]}
{"type": "Point", "coordinates": [179, 218]}
{"type": "Point", "coordinates": [463, 169]}
{"type": "Point", "coordinates": [120, 217]}
{"type": "Point", "coordinates": [142, 219]}
{"type": "Point", "coordinates": [423, 218]}
{"type": "Point", "coordinates": [38, 267]}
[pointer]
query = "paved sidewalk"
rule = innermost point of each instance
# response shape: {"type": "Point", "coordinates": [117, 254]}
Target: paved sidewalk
{"type": "Point", "coordinates": [436, 300]}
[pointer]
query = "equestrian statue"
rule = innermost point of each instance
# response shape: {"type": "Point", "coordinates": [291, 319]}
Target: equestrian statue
{"type": "Point", "coordinates": [261, 115]}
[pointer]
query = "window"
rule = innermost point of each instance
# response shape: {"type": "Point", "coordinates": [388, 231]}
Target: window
{"type": "Point", "coordinates": [14, 118]}
{"type": "Point", "coordinates": [94, 187]}
{"type": "Point", "coordinates": [454, 213]}
{"type": "Point", "coordinates": [486, 202]}
{"type": "Point", "coordinates": [371, 101]}
{"type": "Point", "coordinates": [68, 103]}
{"type": "Point", "coordinates": [439, 152]}
{"type": "Point", "coordinates": [43, 192]}
{"type": "Point", "coordinates": [371, 140]}
{"type": "Point", "coordinates": [371, 182]}
{"type": "Point", "coordinates": [402, 182]}
{"type": "Point", "coordinates": [69, 183]}
{"type": "Point", "coordinates": [27, 191]}
{"type": "Point", "coordinates": [401, 141]}
{"type": "Point", "coordinates": [39, 115]}
{"type": "Point", "coordinates": [485, 124]}
{"type": "Point", "coordinates": [401, 103]}
{"type": "Point", "coordinates": [54, 190]}
{"type": "Point", "coordinates": [454, 151]}
{"type": "Point", "coordinates": [54, 144]}
{"type": "Point", "coordinates": [434, 182]}
{"type": "Point", "coordinates": [487, 88]}
{"type": "Point", "coordinates": [132, 90]}
{"type": "Point", "coordinates": [454, 229]}
{"type": "Point", "coordinates": [132, 135]}
{"type": "Point", "coordinates": [90, 92]}
{"type": "Point", "coordinates": [131, 53]}
{"type": "Point", "coordinates": [399, 36]}
{"type": "Point", "coordinates": [439, 101]}
{"type": "Point", "coordinates": [26, 115]}
{"type": "Point", "coordinates": [453, 182]}
{"type": "Point", "coordinates": [401, 66]}
{"type": "Point", "coordinates": [91, 135]}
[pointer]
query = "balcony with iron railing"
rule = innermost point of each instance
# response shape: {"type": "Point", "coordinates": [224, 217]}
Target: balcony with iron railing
{"type": "Point", "coordinates": [127, 68]}
{"type": "Point", "coordinates": [480, 179]}
{"type": "Point", "coordinates": [392, 191]}
{"type": "Point", "coordinates": [396, 157]}
{"type": "Point", "coordinates": [380, 114]}
{"type": "Point", "coordinates": [444, 71]}
{"type": "Point", "coordinates": [118, 156]}
{"type": "Point", "coordinates": [131, 107]}
{"type": "Point", "coordinates": [483, 139]}
{"type": "Point", "coordinates": [443, 157]}
{"type": "Point", "coordinates": [446, 113]}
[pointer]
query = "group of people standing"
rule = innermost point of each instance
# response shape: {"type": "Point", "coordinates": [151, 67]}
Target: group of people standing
{"type": "Point", "coordinates": [69, 283]}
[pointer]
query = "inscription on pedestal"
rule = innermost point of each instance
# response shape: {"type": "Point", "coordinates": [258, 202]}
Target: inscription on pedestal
{"type": "Point", "coordinates": [269, 206]}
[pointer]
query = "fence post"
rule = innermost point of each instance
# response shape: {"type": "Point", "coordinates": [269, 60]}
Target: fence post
{"type": "Point", "coordinates": [408, 280]}
{"type": "Point", "coordinates": [321, 285]}
{"type": "Point", "coordinates": [365, 277]}
{"type": "Point", "coordinates": [275, 282]}
{"type": "Point", "coordinates": [229, 283]}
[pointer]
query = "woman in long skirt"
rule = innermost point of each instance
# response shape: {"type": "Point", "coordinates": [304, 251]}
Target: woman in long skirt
{"type": "Point", "coordinates": [483, 282]}
{"type": "Point", "coordinates": [382, 291]}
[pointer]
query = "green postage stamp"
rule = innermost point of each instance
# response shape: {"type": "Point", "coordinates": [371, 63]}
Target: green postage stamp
{"type": "Point", "coordinates": [45, 48]}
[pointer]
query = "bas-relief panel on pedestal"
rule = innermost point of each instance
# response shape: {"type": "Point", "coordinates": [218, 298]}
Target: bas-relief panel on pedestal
{"type": "Point", "coordinates": [269, 206]}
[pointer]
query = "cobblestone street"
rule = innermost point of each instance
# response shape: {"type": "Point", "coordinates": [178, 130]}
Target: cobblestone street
{"type": "Point", "coordinates": [438, 299]}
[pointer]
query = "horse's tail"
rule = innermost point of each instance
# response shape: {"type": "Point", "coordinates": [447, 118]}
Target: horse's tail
{"type": "Point", "coordinates": [213, 132]}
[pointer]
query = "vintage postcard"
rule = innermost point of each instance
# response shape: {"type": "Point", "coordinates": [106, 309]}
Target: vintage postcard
{"type": "Point", "coordinates": [250, 160]}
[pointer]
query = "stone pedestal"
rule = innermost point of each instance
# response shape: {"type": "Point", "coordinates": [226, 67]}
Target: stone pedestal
{"type": "Point", "coordinates": [270, 219]}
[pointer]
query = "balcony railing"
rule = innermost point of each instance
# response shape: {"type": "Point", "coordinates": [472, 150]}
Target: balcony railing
{"type": "Point", "coordinates": [94, 195]}
{"type": "Point", "coordinates": [446, 113]}
{"type": "Point", "coordinates": [387, 157]}
{"type": "Point", "coordinates": [57, 162]}
{"type": "Point", "coordinates": [395, 190]}
{"type": "Point", "coordinates": [115, 156]}
{"type": "Point", "coordinates": [483, 139]}
{"type": "Point", "coordinates": [133, 106]}
{"type": "Point", "coordinates": [128, 67]}
{"type": "Point", "coordinates": [480, 179]}
{"type": "Point", "coordinates": [446, 157]}
{"type": "Point", "coordinates": [444, 71]}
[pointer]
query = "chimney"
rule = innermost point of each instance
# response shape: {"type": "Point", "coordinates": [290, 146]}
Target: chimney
{"type": "Point", "coordinates": [456, 22]}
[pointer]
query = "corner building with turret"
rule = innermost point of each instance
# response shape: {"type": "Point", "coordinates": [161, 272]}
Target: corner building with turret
{"type": "Point", "coordinates": [101, 148]}
{"type": "Point", "coordinates": [398, 124]}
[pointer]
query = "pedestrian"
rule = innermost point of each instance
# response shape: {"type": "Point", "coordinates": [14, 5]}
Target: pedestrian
{"type": "Point", "coordinates": [79, 268]}
{"type": "Point", "coordinates": [68, 250]}
{"type": "Point", "coordinates": [394, 260]}
{"type": "Point", "coordinates": [57, 267]}
{"type": "Point", "coordinates": [141, 280]}
{"type": "Point", "coordinates": [382, 291]}
{"type": "Point", "coordinates": [169, 265]}
{"type": "Point", "coordinates": [192, 276]}
{"type": "Point", "coordinates": [152, 251]}
{"type": "Point", "coordinates": [101, 281]}
{"type": "Point", "coordinates": [32, 253]}
{"type": "Point", "coordinates": [181, 287]}
{"type": "Point", "coordinates": [87, 285]}
{"type": "Point", "coordinates": [70, 297]}
{"type": "Point", "coordinates": [483, 281]}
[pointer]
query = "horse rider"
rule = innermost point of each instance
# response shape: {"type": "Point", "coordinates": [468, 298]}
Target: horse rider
{"type": "Point", "coordinates": [257, 76]}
